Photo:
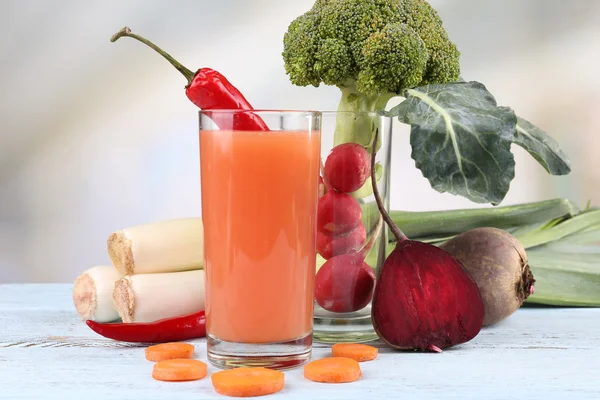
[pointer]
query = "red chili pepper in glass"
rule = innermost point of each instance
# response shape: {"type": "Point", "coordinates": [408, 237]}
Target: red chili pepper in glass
{"type": "Point", "coordinates": [185, 327]}
{"type": "Point", "coordinates": [208, 89]}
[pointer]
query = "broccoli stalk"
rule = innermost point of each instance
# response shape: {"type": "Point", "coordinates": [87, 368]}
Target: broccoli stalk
{"type": "Point", "coordinates": [372, 50]}
{"type": "Point", "coordinates": [361, 129]}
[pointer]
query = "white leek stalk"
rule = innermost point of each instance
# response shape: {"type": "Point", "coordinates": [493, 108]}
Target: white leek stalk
{"type": "Point", "coordinates": [92, 293]}
{"type": "Point", "coordinates": [150, 297]}
{"type": "Point", "coordinates": [165, 246]}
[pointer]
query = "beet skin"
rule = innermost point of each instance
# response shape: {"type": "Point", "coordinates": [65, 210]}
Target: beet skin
{"type": "Point", "coordinates": [497, 262]}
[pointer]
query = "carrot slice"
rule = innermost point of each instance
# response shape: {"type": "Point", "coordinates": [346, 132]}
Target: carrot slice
{"type": "Point", "coordinates": [333, 370]}
{"type": "Point", "coordinates": [179, 369]}
{"type": "Point", "coordinates": [356, 351]}
{"type": "Point", "coordinates": [247, 381]}
{"type": "Point", "coordinates": [168, 351]}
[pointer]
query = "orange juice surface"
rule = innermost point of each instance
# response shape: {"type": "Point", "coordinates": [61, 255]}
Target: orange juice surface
{"type": "Point", "coordinates": [259, 202]}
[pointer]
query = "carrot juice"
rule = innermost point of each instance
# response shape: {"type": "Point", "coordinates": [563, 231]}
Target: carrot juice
{"type": "Point", "coordinates": [259, 203]}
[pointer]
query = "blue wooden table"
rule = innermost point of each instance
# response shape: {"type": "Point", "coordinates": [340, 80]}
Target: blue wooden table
{"type": "Point", "coordinates": [47, 352]}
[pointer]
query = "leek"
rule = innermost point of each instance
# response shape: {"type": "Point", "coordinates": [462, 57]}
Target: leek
{"type": "Point", "coordinates": [562, 243]}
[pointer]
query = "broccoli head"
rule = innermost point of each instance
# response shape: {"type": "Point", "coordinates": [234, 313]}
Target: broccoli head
{"type": "Point", "coordinates": [375, 47]}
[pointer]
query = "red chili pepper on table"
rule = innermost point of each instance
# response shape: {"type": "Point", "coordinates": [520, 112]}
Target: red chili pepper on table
{"type": "Point", "coordinates": [208, 89]}
{"type": "Point", "coordinates": [185, 327]}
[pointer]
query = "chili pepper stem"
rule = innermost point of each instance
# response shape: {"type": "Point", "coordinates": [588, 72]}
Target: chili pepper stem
{"type": "Point", "coordinates": [189, 75]}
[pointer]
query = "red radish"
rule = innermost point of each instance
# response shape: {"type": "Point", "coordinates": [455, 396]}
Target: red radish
{"type": "Point", "coordinates": [321, 187]}
{"type": "Point", "coordinates": [338, 214]}
{"type": "Point", "coordinates": [425, 299]}
{"type": "Point", "coordinates": [344, 284]}
{"type": "Point", "coordinates": [347, 167]}
{"type": "Point", "coordinates": [352, 242]}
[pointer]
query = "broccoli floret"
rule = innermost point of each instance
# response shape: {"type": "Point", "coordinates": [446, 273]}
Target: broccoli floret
{"type": "Point", "coordinates": [443, 56]}
{"type": "Point", "coordinates": [301, 44]}
{"type": "Point", "coordinates": [333, 61]}
{"type": "Point", "coordinates": [395, 45]}
{"type": "Point", "coordinates": [372, 50]}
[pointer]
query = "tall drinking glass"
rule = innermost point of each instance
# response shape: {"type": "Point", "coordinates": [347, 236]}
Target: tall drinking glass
{"type": "Point", "coordinates": [259, 180]}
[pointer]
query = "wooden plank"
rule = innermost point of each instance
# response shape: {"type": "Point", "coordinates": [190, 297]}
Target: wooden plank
{"type": "Point", "coordinates": [538, 353]}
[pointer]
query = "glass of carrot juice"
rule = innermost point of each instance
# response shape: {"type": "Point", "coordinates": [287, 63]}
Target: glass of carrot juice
{"type": "Point", "coordinates": [259, 174]}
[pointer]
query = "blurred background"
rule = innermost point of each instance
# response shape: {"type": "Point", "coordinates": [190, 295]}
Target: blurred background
{"type": "Point", "coordinates": [98, 136]}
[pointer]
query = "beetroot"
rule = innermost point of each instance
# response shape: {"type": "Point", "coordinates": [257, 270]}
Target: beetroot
{"type": "Point", "coordinates": [344, 284]}
{"type": "Point", "coordinates": [497, 261]}
{"type": "Point", "coordinates": [338, 214]}
{"type": "Point", "coordinates": [424, 299]}
{"type": "Point", "coordinates": [352, 242]}
{"type": "Point", "coordinates": [347, 167]}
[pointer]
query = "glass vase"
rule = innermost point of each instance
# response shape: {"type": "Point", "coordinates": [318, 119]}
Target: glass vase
{"type": "Point", "coordinates": [343, 285]}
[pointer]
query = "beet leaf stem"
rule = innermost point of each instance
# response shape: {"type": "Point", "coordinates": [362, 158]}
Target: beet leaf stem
{"type": "Point", "coordinates": [400, 236]}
